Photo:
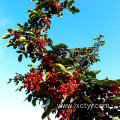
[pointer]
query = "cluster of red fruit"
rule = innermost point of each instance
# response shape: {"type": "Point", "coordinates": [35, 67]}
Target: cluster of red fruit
{"type": "Point", "coordinates": [47, 61]}
{"type": "Point", "coordinates": [114, 89]}
{"type": "Point", "coordinates": [46, 22]}
{"type": "Point", "coordinates": [64, 53]}
{"type": "Point", "coordinates": [66, 113]}
{"type": "Point", "coordinates": [17, 34]}
{"type": "Point", "coordinates": [33, 80]}
{"type": "Point", "coordinates": [58, 7]}
{"type": "Point", "coordinates": [40, 42]}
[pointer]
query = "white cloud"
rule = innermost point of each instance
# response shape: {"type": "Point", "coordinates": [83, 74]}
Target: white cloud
{"type": "Point", "coordinates": [3, 22]}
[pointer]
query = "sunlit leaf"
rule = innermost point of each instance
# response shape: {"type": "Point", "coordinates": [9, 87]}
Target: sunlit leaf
{"type": "Point", "coordinates": [7, 35]}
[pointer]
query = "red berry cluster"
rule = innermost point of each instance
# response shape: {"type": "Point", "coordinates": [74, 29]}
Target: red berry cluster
{"type": "Point", "coordinates": [64, 53]}
{"type": "Point", "coordinates": [58, 7]}
{"type": "Point", "coordinates": [33, 80]}
{"type": "Point", "coordinates": [17, 34]}
{"type": "Point", "coordinates": [67, 87]}
{"type": "Point", "coordinates": [40, 43]}
{"type": "Point", "coordinates": [114, 89]}
{"type": "Point", "coordinates": [47, 61]}
{"type": "Point", "coordinates": [46, 22]}
{"type": "Point", "coordinates": [66, 113]}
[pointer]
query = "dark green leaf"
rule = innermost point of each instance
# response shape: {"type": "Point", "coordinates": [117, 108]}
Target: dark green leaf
{"type": "Point", "coordinates": [73, 9]}
{"type": "Point", "coordinates": [61, 45]}
{"type": "Point", "coordinates": [91, 74]}
{"type": "Point", "coordinates": [17, 83]}
{"type": "Point", "coordinates": [34, 101]}
{"type": "Point", "coordinates": [70, 3]}
{"type": "Point", "coordinates": [19, 51]}
{"type": "Point", "coordinates": [20, 57]}
{"type": "Point", "coordinates": [49, 41]}
{"type": "Point", "coordinates": [25, 54]}
{"type": "Point", "coordinates": [96, 71]}
{"type": "Point", "coordinates": [29, 98]}
{"type": "Point", "coordinates": [86, 98]}
{"type": "Point", "coordinates": [108, 82]}
{"type": "Point", "coordinates": [15, 46]}
{"type": "Point", "coordinates": [10, 30]}
{"type": "Point", "coordinates": [47, 111]}
{"type": "Point", "coordinates": [20, 25]}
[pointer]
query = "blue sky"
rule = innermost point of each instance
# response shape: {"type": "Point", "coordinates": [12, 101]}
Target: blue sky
{"type": "Point", "coordinates": [96, 17]}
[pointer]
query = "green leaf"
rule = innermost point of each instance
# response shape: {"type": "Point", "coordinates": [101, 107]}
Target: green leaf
{"type": "Point", "coordinates": [10, 30]}
{"type": "Point", "coordinates": [96, 81]}
{"type": "Point", "coordinates": [86, 98]}
{"type": "Point", "coordinates": [70, 3]}
{"type": "Point", "coordinates": [70, 69]}
{"type": "Point", "coordinates": [69, 73]}
{"type": "Point", "coordinates": [8, 83]}
{"type": "Point", "coordinates": [64, 4]}
{"type": "Point", "coordinates": [34, 101]}
{"type": "Point", "coordinates": [71, 51]}
{"type": "Point", "coordinates": [16, 30]}
{"type": "Point", "coordinates": [118, 80]}
{"type": "Point", "coordinates": [58, 66]}
{"type": "Point", "coordinates": [20, 88]}
{"type": "Point", "coordinates": [22, 39]}
{"type": "Point", "coordinates": [73, 9]}
{"type": "Point", "coordinates": [31, 66]}
{"type": "Point", "coordinates": [20, 25]}
{"type": "Point", "coordinates": [109, 82]}
{"type": "Point", "coordinates": [29, 98]}
{"type": "Point", "coordinates": [49, 41]}
{"type": "Point", "coordinates": [95, 38]}
{"type": "Point", "coordinates": [19, 51]}
{"type": "Point", "coordinates": [20, 57]}
{"type": "Point", "coordinates": [7, 35]}
{"type": "Point", "coordinates": [17, 83]}
{"type": "Point", "coordinates": [46, 103]}
{"type": "Point", "coordinates": [72, 99]}
{"type": "Point", "coordinates": [61, 45]}
{"type": "Point", "coordinates": [30, 33]}
{"type": "Point", "coordinates": [47, 111]}
{"type": "Point", "coordinates": [25, 54]}
{"type": "Point", "coordinates": [9, 43]}
{"type": "Point", "coordinates": [39, 12]}
{"type": "Point", "coordinates": [96, 71]}
{"type": "Point", "coordinates": [91, 74]}
{"type": "Point", "coordinates": [102, 44]}
{"type": "Point", "coordinates": [15, 46]}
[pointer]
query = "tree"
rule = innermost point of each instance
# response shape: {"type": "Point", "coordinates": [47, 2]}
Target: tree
{"type": "Point", "coordinates": [63, 76]}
